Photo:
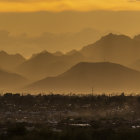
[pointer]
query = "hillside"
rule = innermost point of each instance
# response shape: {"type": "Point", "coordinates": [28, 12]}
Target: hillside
{"type": "Point", "coordinates": [84, 76]}
{"type": "Point", "coordinates": [114, 48]}
{"type": "Point", "coordinates": [11, 80]}
{"type": "Point", "coordinates": [10, 61]}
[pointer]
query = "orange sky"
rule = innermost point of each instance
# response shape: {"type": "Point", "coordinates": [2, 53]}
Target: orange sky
{"type": "Point", "coordinates": [61, 5]}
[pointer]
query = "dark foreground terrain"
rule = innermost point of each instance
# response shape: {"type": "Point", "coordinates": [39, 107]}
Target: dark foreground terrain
{"type": "Point", "coordinates": [71, 117]}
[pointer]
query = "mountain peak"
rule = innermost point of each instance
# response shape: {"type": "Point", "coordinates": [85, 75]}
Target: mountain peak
{"type": "Point", "coordinates": [72, 52]}
{"type": "Point", "coordinates": [17, 55]}
{"type": "Point", "coordinates": [3, 53]}
{"type": "Point", "coordinates": [41, 54]}
{"type": "Point", "coordinates": [44, 52]}
{"type": "Point", "coordinates": [115, 36]}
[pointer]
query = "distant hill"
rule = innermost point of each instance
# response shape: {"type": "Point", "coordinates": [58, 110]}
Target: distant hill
{"type": "Point", "coordinates": [83, 76]}
{"type": "Point", "coordinates": [10, 61]}
{"type": "Point", "coordinates": [114, 48]}
{"type": "Point", "coordinates": [11, 80]}
{"type": "Point", "coordinates": [47, 64]}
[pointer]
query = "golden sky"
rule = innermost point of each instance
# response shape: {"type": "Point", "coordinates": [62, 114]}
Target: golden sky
{"type": "Point", "coordinates": [62, 5]}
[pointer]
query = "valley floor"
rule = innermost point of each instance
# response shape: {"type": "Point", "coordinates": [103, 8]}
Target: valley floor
{"type": "Point", "coordinates": [69, 117]}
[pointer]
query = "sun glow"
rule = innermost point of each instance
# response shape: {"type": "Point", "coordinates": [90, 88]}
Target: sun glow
{"type": "Point", "coordinates": [63, 5]}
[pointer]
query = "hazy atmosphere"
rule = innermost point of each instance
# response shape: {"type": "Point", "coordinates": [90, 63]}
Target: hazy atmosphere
{"type": "Point", "coordinates": [69, 69]}
{"type": "Point", "coordinates": [31, 32]}
{"type": "Point", "coordinates": [62, 5]}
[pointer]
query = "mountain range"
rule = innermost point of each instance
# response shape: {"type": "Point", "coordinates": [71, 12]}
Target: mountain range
{"type": "Point", "coordinates": [119, 50]}
{"type": "Point", "coordinates": [112, 48]}
{"type": "Point", "coordinates": [47, 64]}
{"type": "Point", "coordinates": [27, 44]}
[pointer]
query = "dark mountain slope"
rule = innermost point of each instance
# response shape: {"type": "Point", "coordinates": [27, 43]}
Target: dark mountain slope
{"type": "Point", "coordinates": [84, 76]}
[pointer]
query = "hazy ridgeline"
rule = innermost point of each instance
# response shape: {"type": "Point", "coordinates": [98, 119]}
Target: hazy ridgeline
{"type": "Point", "coordinates": [111, 64]}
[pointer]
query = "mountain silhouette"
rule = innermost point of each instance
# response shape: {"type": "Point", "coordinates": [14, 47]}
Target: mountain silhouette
{"type": "Point", "coordinates": [9, 62]}
{"type": "Point", "coordinates": [27, 44]}
{"type": "Point", "coordinates": [72, 52]}
{"type": "Point", "coordinates": [114, 48]}
{"type": "Point", "coordinates": [83, 76]}
{"type": "Point", "coordinates": [47, 64]}
{"type": "Point", "coordinates": [58, 53]}
{"type": "Point", "coordinates": [10, 80]}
